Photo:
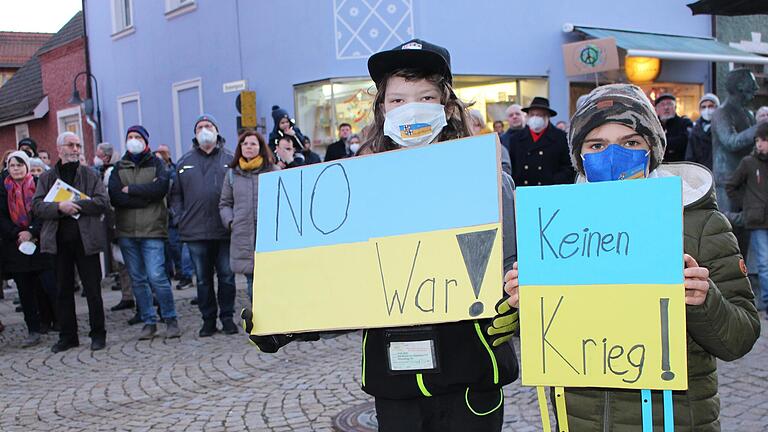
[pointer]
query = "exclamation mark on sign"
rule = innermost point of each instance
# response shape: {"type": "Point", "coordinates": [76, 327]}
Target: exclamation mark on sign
{"type": "Point", "coordinates": [667, 375]}
{"type": "Point", "coordinates": [476, 251]}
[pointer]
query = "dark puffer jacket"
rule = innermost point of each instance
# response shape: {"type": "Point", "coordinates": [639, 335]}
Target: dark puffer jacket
{"type": "Point", "coordinates": [748, 186]}
{"type": "Point", "coordinates": [725, 327]}
{"type": "Point", "coordinates": [195, 194]}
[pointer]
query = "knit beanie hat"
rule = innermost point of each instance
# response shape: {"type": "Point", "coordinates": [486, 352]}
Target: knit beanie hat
{"type": "Point", "coordinates": [710, 97]}
{"type": "Point", "coordinates": [206, 117]}
{"type": "Point", "coordinates": [29, 142]}
{"type": "Point", "coordinates": [279, 114]}
{"type": "Point", "coordinates": [21, 155]}
{"type": "Point", "coordinates": [139, 130]}
{"type": "Point", "coordinates": [624, 104]}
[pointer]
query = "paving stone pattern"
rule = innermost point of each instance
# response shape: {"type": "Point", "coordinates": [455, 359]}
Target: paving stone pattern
{"type": "Point", "coordinates": [224, 384]}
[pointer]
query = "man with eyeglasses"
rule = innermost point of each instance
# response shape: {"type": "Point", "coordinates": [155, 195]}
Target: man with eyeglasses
{"type": "Point", "coordinates": [74, 228]}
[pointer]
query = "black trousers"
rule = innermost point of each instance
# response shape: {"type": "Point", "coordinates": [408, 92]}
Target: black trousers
{"type": "Point", "coordinates": [71, 254]}
{"type": "Point", "coordinates": [46, 297]}
{"type": "Point", "coordinates": [443, 413]}
{"type": "Point", "coordinates": [28, 284]}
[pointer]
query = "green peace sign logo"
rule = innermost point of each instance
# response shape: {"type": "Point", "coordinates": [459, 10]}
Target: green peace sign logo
{"type": "Point", "coordinates": [590, 56]}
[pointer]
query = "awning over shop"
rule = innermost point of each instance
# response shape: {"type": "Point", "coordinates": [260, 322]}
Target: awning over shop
{"type": "Point", "coordinates": [670, 47]}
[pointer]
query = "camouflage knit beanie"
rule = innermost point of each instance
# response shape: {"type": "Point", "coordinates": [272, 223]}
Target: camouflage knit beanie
{"type": "Point", "coordinates": [625, 104]}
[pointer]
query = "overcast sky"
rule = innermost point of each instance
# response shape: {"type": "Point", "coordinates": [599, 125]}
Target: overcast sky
{"type": "Point", "coordinates": [45, 16]}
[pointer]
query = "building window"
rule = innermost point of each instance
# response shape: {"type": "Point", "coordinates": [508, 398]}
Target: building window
{"type": "Point", "coordinates": [322, 105]}
{"type": "Point", "coordinates": [187, 99]}
{"type": "Point", "coordinates": [70, 120]}
{"type": "Point", "coordinates": [22, 131]}
{"type": "Point", "coordinates": [122, 17]}
{"type": "Point", "coordinates": [128, 114]}
{"type": "Point", "coordinates": [174, 8]}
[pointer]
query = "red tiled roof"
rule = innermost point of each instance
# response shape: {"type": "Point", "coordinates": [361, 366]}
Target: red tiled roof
{"type": "Point", "coordinates": [17, 47]}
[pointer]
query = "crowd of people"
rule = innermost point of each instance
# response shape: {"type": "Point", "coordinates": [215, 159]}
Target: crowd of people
{"type": "Point", "coordinates": [155, 221]}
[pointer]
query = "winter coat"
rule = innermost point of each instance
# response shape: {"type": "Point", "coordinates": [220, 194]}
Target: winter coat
{"type": "Point", "coordinates": [699, 148]}
{"type": "Point", "coordinates": [676, 130]}
{"type": "Point", "coordinates": [463, 352]}
{"type": "Point", "coordinates": [733, 138]}
{"type": "Point", "coordinates": [541, 163]}
{"type": "Point", "coordinates": [337, 150]}
{"type": "Point", "coordinates": [725, 327]}
{"type": "Point", "coordinates": [237, 208]}
{"type": "Point", "coordinates": [142, 212]}
{"type": "Point", "coordinates": [91, 222]}
{"type": "Point", "coordinates": [276, 134]}
{"type": "Point", "coordinates": [13, 260]}
{"type": "Point", "coordinates": [749, 186]}
{"type": "Point", "coordinates": [195, 194]}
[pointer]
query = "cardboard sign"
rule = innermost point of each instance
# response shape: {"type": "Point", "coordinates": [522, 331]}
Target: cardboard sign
{"type": "Point", "coordinates": [406, 237]}
{"type": "Point", "coordinates": [590, 56]}
{"type": "Point", "coordinates": [602, 302]}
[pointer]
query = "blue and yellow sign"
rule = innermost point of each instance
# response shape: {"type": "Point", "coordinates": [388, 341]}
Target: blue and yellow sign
{"type": "Point", "coordinates": [391, 239]}
{"type": "Point", "coordinates": [602, 302]}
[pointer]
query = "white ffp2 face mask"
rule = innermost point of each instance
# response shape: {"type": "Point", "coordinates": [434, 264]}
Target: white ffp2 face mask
{"type": "Point", "coordinates": [536, 123]}
{"type": "Point", "coordinates": [134, 146]}
{"type": "Point", "coordinates": [206, 137]}
{"type": "Point", "coordinates": [706, 114]}
{"type": "Point", "coordinates": [415, 124]}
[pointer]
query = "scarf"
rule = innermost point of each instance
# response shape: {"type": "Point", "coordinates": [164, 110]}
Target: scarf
{"type": "Point", "coordinates": [20, 199]}
{"type": "Point", "coordinates": [251, 165]}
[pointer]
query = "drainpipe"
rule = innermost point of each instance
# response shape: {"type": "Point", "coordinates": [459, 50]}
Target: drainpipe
{"type": "Point", "coordinates": [88, 91]}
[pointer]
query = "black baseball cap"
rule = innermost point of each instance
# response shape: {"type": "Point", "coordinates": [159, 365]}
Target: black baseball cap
{"type": "Point", "coordinates": [414, 54]}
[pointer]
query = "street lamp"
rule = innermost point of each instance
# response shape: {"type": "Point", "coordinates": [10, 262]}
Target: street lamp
{"type": "Point", "coordinates": [88, 103]}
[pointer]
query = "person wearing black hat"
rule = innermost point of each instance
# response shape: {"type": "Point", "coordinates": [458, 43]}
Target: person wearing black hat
{"type": "Point", "coordinates": [676, 128]}
{"type": "Point", "coordinates": [28, 146]}
{"type": "Point", "coordinates": [459, 388]}
{"type": "Point", "coordinates": [539, 153]}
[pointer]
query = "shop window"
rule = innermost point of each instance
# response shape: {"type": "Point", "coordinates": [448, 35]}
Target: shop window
{"type": "Point", "coordinates": [322, 105]}
{"type": "Point", "coordinates": [688, 96]}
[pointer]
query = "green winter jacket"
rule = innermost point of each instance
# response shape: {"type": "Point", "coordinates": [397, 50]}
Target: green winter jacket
{"type": "Point", "coordinates": [725, 327]}
{"type": "Point", "coordinates": [141, 212]}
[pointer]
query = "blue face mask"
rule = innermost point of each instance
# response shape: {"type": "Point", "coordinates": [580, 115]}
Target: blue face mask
{"type": "Point", "coordinates": [615, 163]}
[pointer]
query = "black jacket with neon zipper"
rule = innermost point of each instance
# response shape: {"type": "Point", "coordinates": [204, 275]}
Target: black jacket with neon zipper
{"type": "Point", "coordinates": [465, 357]}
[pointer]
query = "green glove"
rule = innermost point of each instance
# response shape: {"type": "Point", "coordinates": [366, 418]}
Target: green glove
{"type": "Point", "coordinates": [268, 344]}
{"type": "Point", "coordinates": [503, 324]}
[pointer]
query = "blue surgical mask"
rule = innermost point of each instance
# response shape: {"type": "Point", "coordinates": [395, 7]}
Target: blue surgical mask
{"type": "Point", "coordinates": [615, 163]}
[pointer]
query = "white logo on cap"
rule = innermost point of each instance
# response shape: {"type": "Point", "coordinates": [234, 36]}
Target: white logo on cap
{"type": "Point", "coordinates": [412, 45]}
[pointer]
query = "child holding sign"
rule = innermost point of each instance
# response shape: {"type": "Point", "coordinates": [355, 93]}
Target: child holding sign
{"type": "Point", "coordinates": [445, 377]}
{"type": "Point", "coordinates": [615, 135]}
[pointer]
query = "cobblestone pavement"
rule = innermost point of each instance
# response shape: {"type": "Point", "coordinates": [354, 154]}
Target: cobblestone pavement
{"type": "Point", "coordinates": [223, 383]}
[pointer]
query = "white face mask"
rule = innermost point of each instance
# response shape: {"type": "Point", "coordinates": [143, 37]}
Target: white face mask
{"type": "Point", "coordinates": [706, 114]}
{"type": "Point", "coordinates": [206, 137]}
{"type": "Point", "coordinates": [134, 146]}
{"type": "Point", "coordinates": [354, 148]}
{"type": "Point", "coordinates": [97, 162]}
{"type": "Point", "coordinates": [536, 123]}
{"type": "Point", "coordinates": [415, 124]}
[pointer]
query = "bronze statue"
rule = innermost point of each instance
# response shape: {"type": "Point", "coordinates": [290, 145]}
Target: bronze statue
{"type": "Point", "coordinates": [733, 132]}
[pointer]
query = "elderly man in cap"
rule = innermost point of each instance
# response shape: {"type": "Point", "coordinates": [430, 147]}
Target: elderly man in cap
{"type": "Point", "coordinates": [676, 128]}
{"type": "Point", "coordinates": [539, 152]}
{"type": "Point", "coordinates": [195, 194]}
{"type": "Point", "coordinates": [699, 148]}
